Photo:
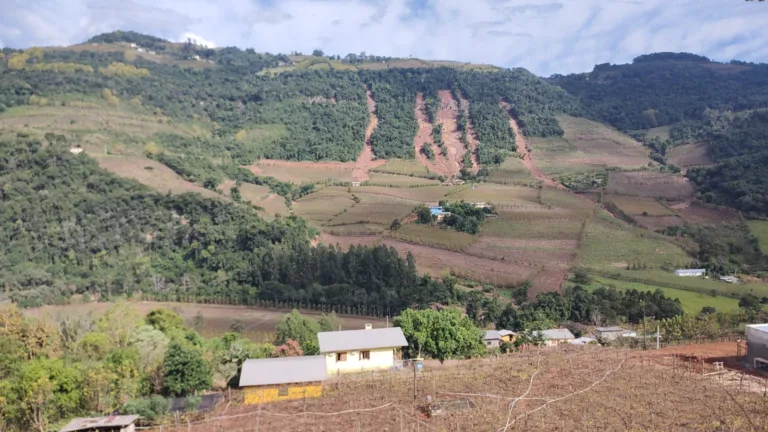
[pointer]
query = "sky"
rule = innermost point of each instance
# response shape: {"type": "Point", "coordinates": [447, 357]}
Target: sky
{"type": "Point", "coordinates": [543, 36]}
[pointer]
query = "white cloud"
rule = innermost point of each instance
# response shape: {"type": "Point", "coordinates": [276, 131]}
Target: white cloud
{"type": "Point", "coordinates": [544, 36]}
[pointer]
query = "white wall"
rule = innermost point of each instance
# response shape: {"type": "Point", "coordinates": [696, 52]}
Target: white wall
{"type": "Point", "coordinates": [382, 358]}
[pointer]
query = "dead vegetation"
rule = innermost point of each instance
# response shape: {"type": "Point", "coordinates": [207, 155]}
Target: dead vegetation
{"type": "Point", "coordinates": [567, 388]}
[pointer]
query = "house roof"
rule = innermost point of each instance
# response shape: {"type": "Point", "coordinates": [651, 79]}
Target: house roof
{"type": "Point", "coordinates": [555, 334]}
{"type": "Point", "coordinates": [583, 341]}
{"type": "Point", "coordinates": [283, 370]}
{"type": "Point", "coordinates": [506, 332]}
{"type": "Point", "coordinates": [758, 327]}
{"type": "Point", "coordinates": [690, 270]}
{"type": "Point", "coordinates": [491, 335]}
{"type": "Point", "coordinates": [609, 329]}
{"type": "Point", "coordinates": [353, 340]}
{"type": "Point", "coordinates": [88, 423]}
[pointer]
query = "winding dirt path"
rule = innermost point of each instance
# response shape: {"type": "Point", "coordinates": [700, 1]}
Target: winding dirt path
{"type": "Point", "coordinates": [525, 150]}
{"type": "Point", "coordinates": [424, 137]}
{"type": "Point", "coordinates": [471, 135]}
{"type": "Point", "coordinates": [365, 161]}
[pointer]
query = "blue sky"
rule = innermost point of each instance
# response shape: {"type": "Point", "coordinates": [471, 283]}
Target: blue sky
{"type": "Point", "coordinates": [544, 36]}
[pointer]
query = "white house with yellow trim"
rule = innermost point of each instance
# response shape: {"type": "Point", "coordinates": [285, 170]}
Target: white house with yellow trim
{"type": "Point", "coordinates": [360, 350]}
{"type": "Point", "coordinates": [282, 378]}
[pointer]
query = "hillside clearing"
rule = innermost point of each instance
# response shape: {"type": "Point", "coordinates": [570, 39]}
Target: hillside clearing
{"type": "Point", "coordinates": [759, 229]}
{"type": "Point", "coordinates": [649, 184]}
{"type": "Point", "coordinates": [443, 238]}
{"type": "Point", "coordinates": [638, 206]}
{"type": "Point", "coordinates": [690, 155]}
{"type": "Point", "coordinates": [305, 172]}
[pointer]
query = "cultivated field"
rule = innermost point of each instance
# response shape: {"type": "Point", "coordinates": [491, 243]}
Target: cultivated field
{"type": "Point", "coordinates": [661, 132]}
{"type": "Point", "coordinates": [305, 172]}
{"type": "Point", "coordinates": [569, 388]}
{"type": "Point", "coordinates": [373, 209]}
{"type": "Point", "coordinates": [649, 184]}
{"type": "Point", "coordinates": [689, 155]}
{"type": "Point", "coordinates": [655, 223]}
{"type": "Point", "coordinates": [635, 206]}
{"type": "Point", "coordinates": [408, 167]}
{"type": "Point", "coordinates": [512, 171]}
{"type": "Point", "coordinates": [533, 228]}
{"type": "Point", "coordinates": [394, 180]}
{"type": "Point", "coordinates": [153, 174]}
{"type": "Point", "coordinates": [425, 194]}
{"type": "Point", "coordinates": [217, 319]}
{"type": "Point", "coordinates": [586, 146]}
{"type": "Point", "coordinates": [497, 194]}
{"type": "Point", "coordinates": [323, 205]}
{"type": "Point", "coordinates": [449, 239]}
{"type": "Point", "coordinates": [695, 212]}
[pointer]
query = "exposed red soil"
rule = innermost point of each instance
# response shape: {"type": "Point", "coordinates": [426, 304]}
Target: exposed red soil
{"type": "Point", "coordinates": [424, 137]}
{"type": "Point", "coordinates": [525, 151]}
{"type": "Point", "coordinates": [471, 135]}
{"type": "Point", "coordinates": [365, 162]}
{"type": "Point", "coordinates": [649, 184]}
{"type": "Point", "coordinates": [447, 116]}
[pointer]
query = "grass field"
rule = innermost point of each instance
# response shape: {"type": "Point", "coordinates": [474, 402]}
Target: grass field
{"type": "Point", "coordinates": [511, 171]}
{"type": "Point", "coordinates": [661, 132]}
{"type": "Point", "coordinates": [586, 146]}
{"type": "Point", "coordinates": [543, 229]}
{"type": "Point", "coordinates": [688, 155]}
{"type": "Point", "coordinates": [432, 236]}
{"type": "Point", "coordinates": [395, 180]}
{"type": "Point", "coordinates": [692, 301]}
{"type": "Point", "coordinates": [323, 205]}
{"type": "Point", "coordinates": [649, 184]}
{"type": "Point", "coordinates": [611, 244]}
{"type": "Point", "coordinates": [373, 209]}
{"type": "Point", "coordinates": [304, 172]}
{"type": "Point", "coordinates": [403, 167]}
{"type": "Point", "coordinates": [153, 174]}
{"type": "Point", "coordinates": [635, 206]}
{"type": "Point", "coordinates": [759, 229]}
{"type": "Point", "coordinates": [496, 194]}
{"type": "Point", "coordinates": [421, 194]}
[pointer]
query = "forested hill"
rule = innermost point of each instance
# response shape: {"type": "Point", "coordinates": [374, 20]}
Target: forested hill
{"type": "Point", "coordinates": [67, 226]}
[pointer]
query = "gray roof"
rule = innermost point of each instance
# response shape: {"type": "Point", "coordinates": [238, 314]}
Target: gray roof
{"type": "Point", "coordinates": [691, 270]}
{"type": "Point", "coordinates": [583, 341]}
{"type": "Point", "coordinates": [555, 334]}
{"type": "Point", "coordinates": [609, 329]}
{"type": "Point", "coordinates": [506, 332]}
{"type": "Point", "coordinates": [89, 423]}
{"type": "Point", "coordinates": [355, 340]}
{"type": "Point", "coordinates": [283, 370]}
{"type": "Point", "coordinates": [492, 335]}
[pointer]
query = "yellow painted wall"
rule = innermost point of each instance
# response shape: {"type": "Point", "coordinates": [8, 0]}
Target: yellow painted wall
{"type": "Point", "coordinates": [383, 358]}
{"type": "Point", "coordinates": [257, 395]}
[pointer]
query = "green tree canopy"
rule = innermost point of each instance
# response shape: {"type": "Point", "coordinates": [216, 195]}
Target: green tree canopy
{"type": "Point", "coordinates": [441, 334]}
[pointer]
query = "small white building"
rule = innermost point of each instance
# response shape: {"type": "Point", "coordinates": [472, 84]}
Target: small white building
{"type": "Point", "coordinates": [355, 184]}
{"type": "Point", "coordinates": [690, 272]}
{"type": "Point", "coordinates": [360, 350]}
{"type": "Point", "coordinates": [113, 423]}
{"type": "Point", "coordinates": [583, 341]}
{"type": "Point", "coordinates": [75, 150]}
{"type": "Point", "coordinates": [757, 345]}
{"type": "Point", "coordinates": [611, 333]}
{"type": "Point", "coordinates": [554, 337]}
{"type": "Point", "coordinates": [730, 279]}
{"type": "Point", "coordinates": [492, 339]}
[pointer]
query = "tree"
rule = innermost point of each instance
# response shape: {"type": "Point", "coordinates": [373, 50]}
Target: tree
{"type": "Point", "coordinates": [318, 53]}
{"type": "Point", "coordinates": [329, 322]}
{"type": "Point", "coordinates": [119, 322]}
{"type": "Point", "coordinates": [508, 318]}
{"type": "Point", "coordinates": [395, 225]}
{"type": "Point", "coordinates": [580, 276]}
{"type": "Point", "coordinates": [423, 215]}
{"type": "Point", "coordinates": [164, 320]}
{"type": "Point", "coordinates": [290, 348]}
{"type": "Point", "coordinates": [441, 334]}
{"type": "Point", "coordinates": [185, 370]}
{"type": "Point", "coordinates": [152, 345]}
{"type": "Point", "coordinates": [299, 328]}
{"type": "Point", "coordinates": [707, 310]}
{"type": "Point", "coordinates": [237, 326]}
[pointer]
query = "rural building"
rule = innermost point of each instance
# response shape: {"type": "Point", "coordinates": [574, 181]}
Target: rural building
{"type": "Point", "coordinates": [102, 424]}
{"type": "Point", "coordinates": [492, 339]}
{"type": "Point", "coordinates": [75, 150]}
{"type": "Point", "coordinates": [507, 336]}
{"type": "Point", "coordinates": [355, 184]}
{"type": "Point", "coordinates": [555, 337]}
{"type": "Point", "coordinates": [435, 210]}
{"type": "Point", "coordinates": [690, 272]}
{"type": "Point", "coordinates": [481, 205]}
{"type": "Point", "coordinates": [360, 350]}
{"type": "Point", "coordinates": [282, 378]}
{"type": "Point", "coordinates": [730, 279]}
{"type": "Point", "coordinates": [757, 345]}
{"type": "Point", "coordinates": [610, 333]}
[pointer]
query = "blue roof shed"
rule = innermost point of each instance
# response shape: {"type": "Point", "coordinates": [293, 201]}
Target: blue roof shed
{"type": "Point", "coordinates": [434, 211]}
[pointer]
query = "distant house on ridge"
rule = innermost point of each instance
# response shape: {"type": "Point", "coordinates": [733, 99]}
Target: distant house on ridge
{"type": "Point", "coordinates": [690, 272]}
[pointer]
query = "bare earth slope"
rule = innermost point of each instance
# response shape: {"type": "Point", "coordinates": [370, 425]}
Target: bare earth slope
{"type": "Point", "coordinates": [365, 160]}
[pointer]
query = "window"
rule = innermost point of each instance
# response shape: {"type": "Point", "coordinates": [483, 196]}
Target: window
{"type": "Point", "coordinates": [488, 343]}
{"type": "Point", "coordinates": [365, 355]}
{"type": "Point", "coordinates": [340, 357]}
{"type": "Point", "coordinates": [282, 391]}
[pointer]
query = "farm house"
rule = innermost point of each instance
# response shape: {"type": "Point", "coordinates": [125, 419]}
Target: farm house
{"type": "Point", "coordinates": [360, 350]}
{"type": "Point", "coordinates": [690, 272]}
{"type": "Point", "coordinates": [282, 378]}
{"type": "Point", "coordinates": [492, 339]}
{"type": "Point", "coordinates": [610, 333]}
{"type": "Point", "coordinates": [757, 345]}
{"type": "Point", "coordinates": [555, 337]}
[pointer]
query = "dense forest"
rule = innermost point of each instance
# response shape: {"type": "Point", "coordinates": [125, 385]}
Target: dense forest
{"type": "Point", "coordinates": [67, 226]}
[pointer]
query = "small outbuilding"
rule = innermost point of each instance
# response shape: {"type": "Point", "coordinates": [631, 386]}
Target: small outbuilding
{"type": "Point", "coordinates": [115, 423]}
{"type": "Point", "coordinates": [610, 333]}
{"type": "Point", "coordinates": [583, 341]}
{"type": "Point", "coordinates": [282, 378]}
{"type": "Point", "coordinates": [507, 336]}
{"type": "Point", "coordinates": [492, 339]}
{"type": "Point", "coordinates": [730, 279]}
{"type": "Point", "coordinates": [690, 272]}
{"type": "Point", "coordinates": [757, 345]}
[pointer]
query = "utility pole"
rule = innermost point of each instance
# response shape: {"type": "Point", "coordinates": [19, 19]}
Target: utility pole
{"type": "Point", "coordinates": [657, 337]}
